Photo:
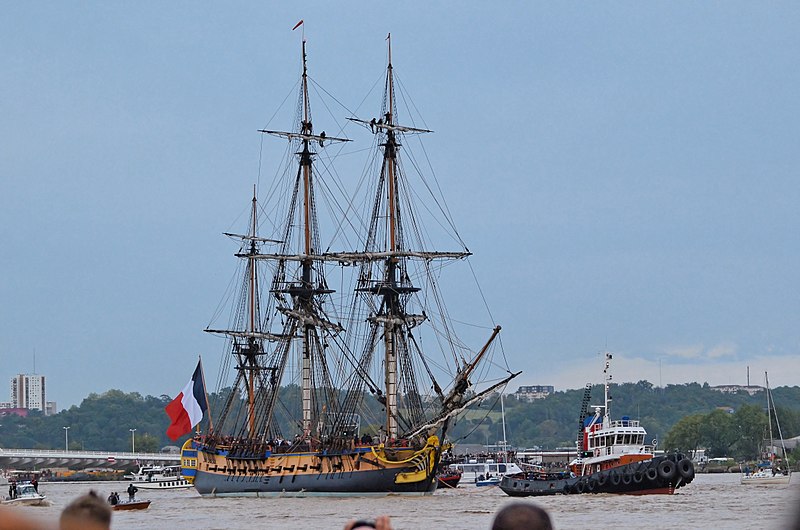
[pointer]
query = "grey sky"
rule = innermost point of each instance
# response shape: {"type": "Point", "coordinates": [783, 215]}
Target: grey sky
{"type": "Point", "coordinates": [625, 173]}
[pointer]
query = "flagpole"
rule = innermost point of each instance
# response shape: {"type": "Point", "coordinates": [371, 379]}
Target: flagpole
{"type": "Point", "coordinates": [205, 393]}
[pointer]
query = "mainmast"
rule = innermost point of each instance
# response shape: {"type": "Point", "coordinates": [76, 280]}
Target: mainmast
{"type": "Point", "coordinates": [391, 295]}
{"type": "Point", "coordinates": [305, 297]}
{"type": "Point", "coordinates": [304, 289]}
{"type": "Point", "coordinates": [390, 155]}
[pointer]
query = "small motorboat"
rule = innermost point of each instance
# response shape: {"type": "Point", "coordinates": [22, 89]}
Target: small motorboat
{"type": "Point", "coordinates": [448, 479]}
{"type": "Point", "coordinates": [26, 495]}
{"type": "Point", "coordinates": [491, 481]}
{"type": "Point", "coordinates": [131, 505]}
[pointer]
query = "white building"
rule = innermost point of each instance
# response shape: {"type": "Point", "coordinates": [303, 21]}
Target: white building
{"type": "Point", "coordinates": [533, 392]}
{"type": "Point", "coordinates": [735, 389]}
{"type": "Point", "coordinates": [28, 392]}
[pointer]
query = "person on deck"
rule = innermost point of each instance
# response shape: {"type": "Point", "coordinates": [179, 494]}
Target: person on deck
{"type": "Point", "coordinates": [132, 492]}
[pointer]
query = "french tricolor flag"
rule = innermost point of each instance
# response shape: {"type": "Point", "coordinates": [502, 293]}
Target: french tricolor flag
{"type": "Point", "coordinates": [187, 409]}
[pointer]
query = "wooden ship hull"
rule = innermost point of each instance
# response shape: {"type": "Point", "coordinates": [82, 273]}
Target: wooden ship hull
{"type": "Point", "coordinates": [365, 470]}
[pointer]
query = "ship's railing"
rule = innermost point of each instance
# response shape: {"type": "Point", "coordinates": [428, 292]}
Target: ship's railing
{"type": "Point", "coordinates": [83, 453]}
{"type": "Point", "coordinates": [624, 449]}
{"type": "Point", "coordinates": [61, 453]}
{"type": "Point", "coordinates": [624, 423]}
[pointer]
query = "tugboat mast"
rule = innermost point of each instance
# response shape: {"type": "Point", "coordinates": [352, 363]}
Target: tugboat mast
{"type": "Point", "coordinates": [606, 382]}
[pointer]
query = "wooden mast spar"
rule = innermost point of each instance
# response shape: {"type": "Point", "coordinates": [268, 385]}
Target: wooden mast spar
{"type": "Point", "coordinates": [306, 291]}
{"type": "Point", "coordinates": [390, 361]}
{"type": "Point", "coordinates": [252, 360]}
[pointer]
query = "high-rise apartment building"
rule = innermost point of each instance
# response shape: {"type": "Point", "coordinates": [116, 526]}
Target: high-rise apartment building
{"type": "Point", "coordinates": [28, 392]}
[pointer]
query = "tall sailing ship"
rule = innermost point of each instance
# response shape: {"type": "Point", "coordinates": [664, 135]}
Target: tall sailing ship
{"type": "Point", "coordinates": [347, 391]}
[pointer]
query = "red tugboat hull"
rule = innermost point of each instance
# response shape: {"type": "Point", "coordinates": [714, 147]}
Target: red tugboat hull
{"type": "Point", "coordinates": [659, 475]}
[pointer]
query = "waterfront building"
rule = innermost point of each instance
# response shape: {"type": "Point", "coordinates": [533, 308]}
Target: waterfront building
{"type": "Point", "coordinates": [533, 392]}
{"type": "Point", "coordinates": [735, 389]}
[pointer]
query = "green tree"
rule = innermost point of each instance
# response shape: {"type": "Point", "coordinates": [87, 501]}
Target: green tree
{"type": "Point", "coordinates": [147, 443]}
{"type": "Point", "coordinates": [686, 435]}
{"type": "Point", "coordinates": [751, 421]}
{"type": "Point", "coordinates": [719, 432]}
{"type": "Point", "coordinates": [103, 421]}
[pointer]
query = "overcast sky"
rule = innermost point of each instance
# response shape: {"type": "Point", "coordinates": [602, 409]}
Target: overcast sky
{"type": "Point", "coordinates": [625, 173]}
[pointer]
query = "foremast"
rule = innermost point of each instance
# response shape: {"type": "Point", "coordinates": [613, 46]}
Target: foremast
{"type": "Point", "coordinates": [248, 339]}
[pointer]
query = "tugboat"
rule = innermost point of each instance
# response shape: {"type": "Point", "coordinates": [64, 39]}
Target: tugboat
{"type": "Point", "coordinates": [612, 458]}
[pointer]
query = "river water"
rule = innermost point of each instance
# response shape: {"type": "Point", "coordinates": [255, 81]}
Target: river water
{"type": "Point", "coordinates": [711, 501]}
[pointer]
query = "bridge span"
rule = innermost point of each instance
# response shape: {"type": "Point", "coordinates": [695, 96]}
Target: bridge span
{"type": "Point", "coordinates": [47, 458]}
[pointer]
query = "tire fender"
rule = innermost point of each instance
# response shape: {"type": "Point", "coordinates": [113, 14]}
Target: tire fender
{"type": "Point", "coordinates": [666, 469]}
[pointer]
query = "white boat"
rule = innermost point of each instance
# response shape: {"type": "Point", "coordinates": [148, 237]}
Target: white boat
{"type": "Point", "coordinates": [766, 476]}
{"type": "Point", "coordinates": [774, 470]}
{"type": "Point", "coordinates": [26, 495]}
{"type": "Point", "coordinates": [172, 484]}
{"type": "Point", "coordinates": [482, 473]}
{"type": "Point", "coordinates": [158, 478]}
{"type": "Point", "coordinates": [489, 472]}
{"type": "Point", "coordinates": [493, 481]}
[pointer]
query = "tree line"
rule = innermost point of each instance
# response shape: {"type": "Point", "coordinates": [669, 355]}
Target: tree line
{"type": "Point", "coordinates": [693, 415]}
{"type": "Point", "coordinates": [742, 434]}
{"type": "Point", "coordinates": [552, 422]}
